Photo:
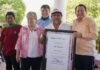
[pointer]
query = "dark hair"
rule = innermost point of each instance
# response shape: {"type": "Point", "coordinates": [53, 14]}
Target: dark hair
{"type": "Point", "coordinates": [10, 13]}
{"type": "Point", "coordinates": [45, 6]}
{"type": "Point", "coordinates": [82, 6]}
{"type": "Point", "coordinates": [0, 26]}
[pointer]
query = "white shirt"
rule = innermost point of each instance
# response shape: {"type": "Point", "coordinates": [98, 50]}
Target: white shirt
{"type": "Point", "coordinates": [62, 26]}
{"type": "Point", "coordinates": [33, 48]}
{"type": "Point", "coordinates": [97, 57]}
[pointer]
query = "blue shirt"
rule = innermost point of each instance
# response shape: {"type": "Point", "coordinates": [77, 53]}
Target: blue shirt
{"type": "Point", "coordinates": [43, 23]}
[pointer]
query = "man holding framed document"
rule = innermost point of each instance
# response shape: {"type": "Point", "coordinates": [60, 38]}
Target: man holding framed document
{"type": "Point", "coordinates": [59, 44]}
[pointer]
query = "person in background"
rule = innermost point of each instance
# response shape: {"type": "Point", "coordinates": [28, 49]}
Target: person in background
{"type": "Point", "coordinates": [0, 45]}
{"type": "Point", "coordinates": [45, 18]}
{"type": "Point", "coordinates": [29, 44]}
{"type": "Point", "coordinates": [57, 22]}
{"type": "Point", "coordinates": [8, 40]}
{"type": "Point", "coordinates": [86, 39]}
{"type": "Point", "coordinates": [1, 53]}
{"type": "Point", "coordinates": [0, 30]}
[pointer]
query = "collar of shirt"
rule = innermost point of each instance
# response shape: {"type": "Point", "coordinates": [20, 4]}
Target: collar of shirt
{"type": "Point", "coordinates": [10, 26]}
{"type": "Point", "coordinates": [45, 18]}
{"type": "Point", "coordinates": [35, 29]}
{"type": "Point", "coordinates": [52, 26]}
{"type": "Point", "coordinates": [62, 26]}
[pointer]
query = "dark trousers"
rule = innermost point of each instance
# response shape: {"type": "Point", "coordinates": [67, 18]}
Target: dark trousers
{"type": "Point", "coordinates": [31, 63]}
{"type": "Point", "coordinates": [11, 63]}
{"type": "Point", "coordinates": [84, 62]}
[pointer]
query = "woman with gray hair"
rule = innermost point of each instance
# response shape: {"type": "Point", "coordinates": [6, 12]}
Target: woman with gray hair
{"type": "Point", "coordinates": [29, 47]}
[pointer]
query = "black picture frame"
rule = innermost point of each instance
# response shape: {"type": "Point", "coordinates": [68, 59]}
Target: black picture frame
{"type": "Point", "coordinates": [43, 65]}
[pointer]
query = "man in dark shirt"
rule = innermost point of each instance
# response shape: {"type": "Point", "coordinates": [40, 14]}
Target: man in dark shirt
{"type": "Point", "coordinates": [8, 40]}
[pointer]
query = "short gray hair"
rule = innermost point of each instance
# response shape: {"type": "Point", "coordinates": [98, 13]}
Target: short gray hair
{"type": "Point", "coordinates": [29, 14]}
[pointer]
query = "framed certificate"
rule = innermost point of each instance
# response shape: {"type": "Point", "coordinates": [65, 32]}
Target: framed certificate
{"type": "Point", "coordinates": [59, 50]}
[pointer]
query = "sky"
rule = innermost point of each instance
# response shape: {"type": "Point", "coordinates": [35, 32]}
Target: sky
{"type": "Point", "coordinates": [35, 5]}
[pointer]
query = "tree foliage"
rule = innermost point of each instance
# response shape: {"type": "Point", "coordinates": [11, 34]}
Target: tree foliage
{"type": "Point", "coordinates": [93, 7]}
{"type": "Point", "coordinates": [17, 6]}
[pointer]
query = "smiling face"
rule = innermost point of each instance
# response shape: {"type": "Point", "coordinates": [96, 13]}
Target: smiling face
{"type": "Point", "coordinates": [56, 17]}
{"type": "Point", "coordinates": [80, 12]}
{"type": "Point", "coordinates": [10, 19]}
{"type": "Point", "coordinates": [45, 12]}
{"type": "Point", "coordinates": [31, 20]}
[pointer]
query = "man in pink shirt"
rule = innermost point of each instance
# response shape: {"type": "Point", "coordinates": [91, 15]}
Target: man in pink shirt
{"type": "Point", "coordinates": [86, 37]}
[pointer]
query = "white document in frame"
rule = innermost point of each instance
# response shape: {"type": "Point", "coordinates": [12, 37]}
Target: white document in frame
{"type": "Point", "coordinates": [57, 52]}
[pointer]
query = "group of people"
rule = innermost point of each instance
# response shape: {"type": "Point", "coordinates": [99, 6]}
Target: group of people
{"type": "Point", "coordinates": [22, 46]}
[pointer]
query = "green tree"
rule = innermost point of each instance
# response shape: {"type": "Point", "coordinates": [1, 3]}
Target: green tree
{"type": "Point", "coordinates": [17, 6]}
